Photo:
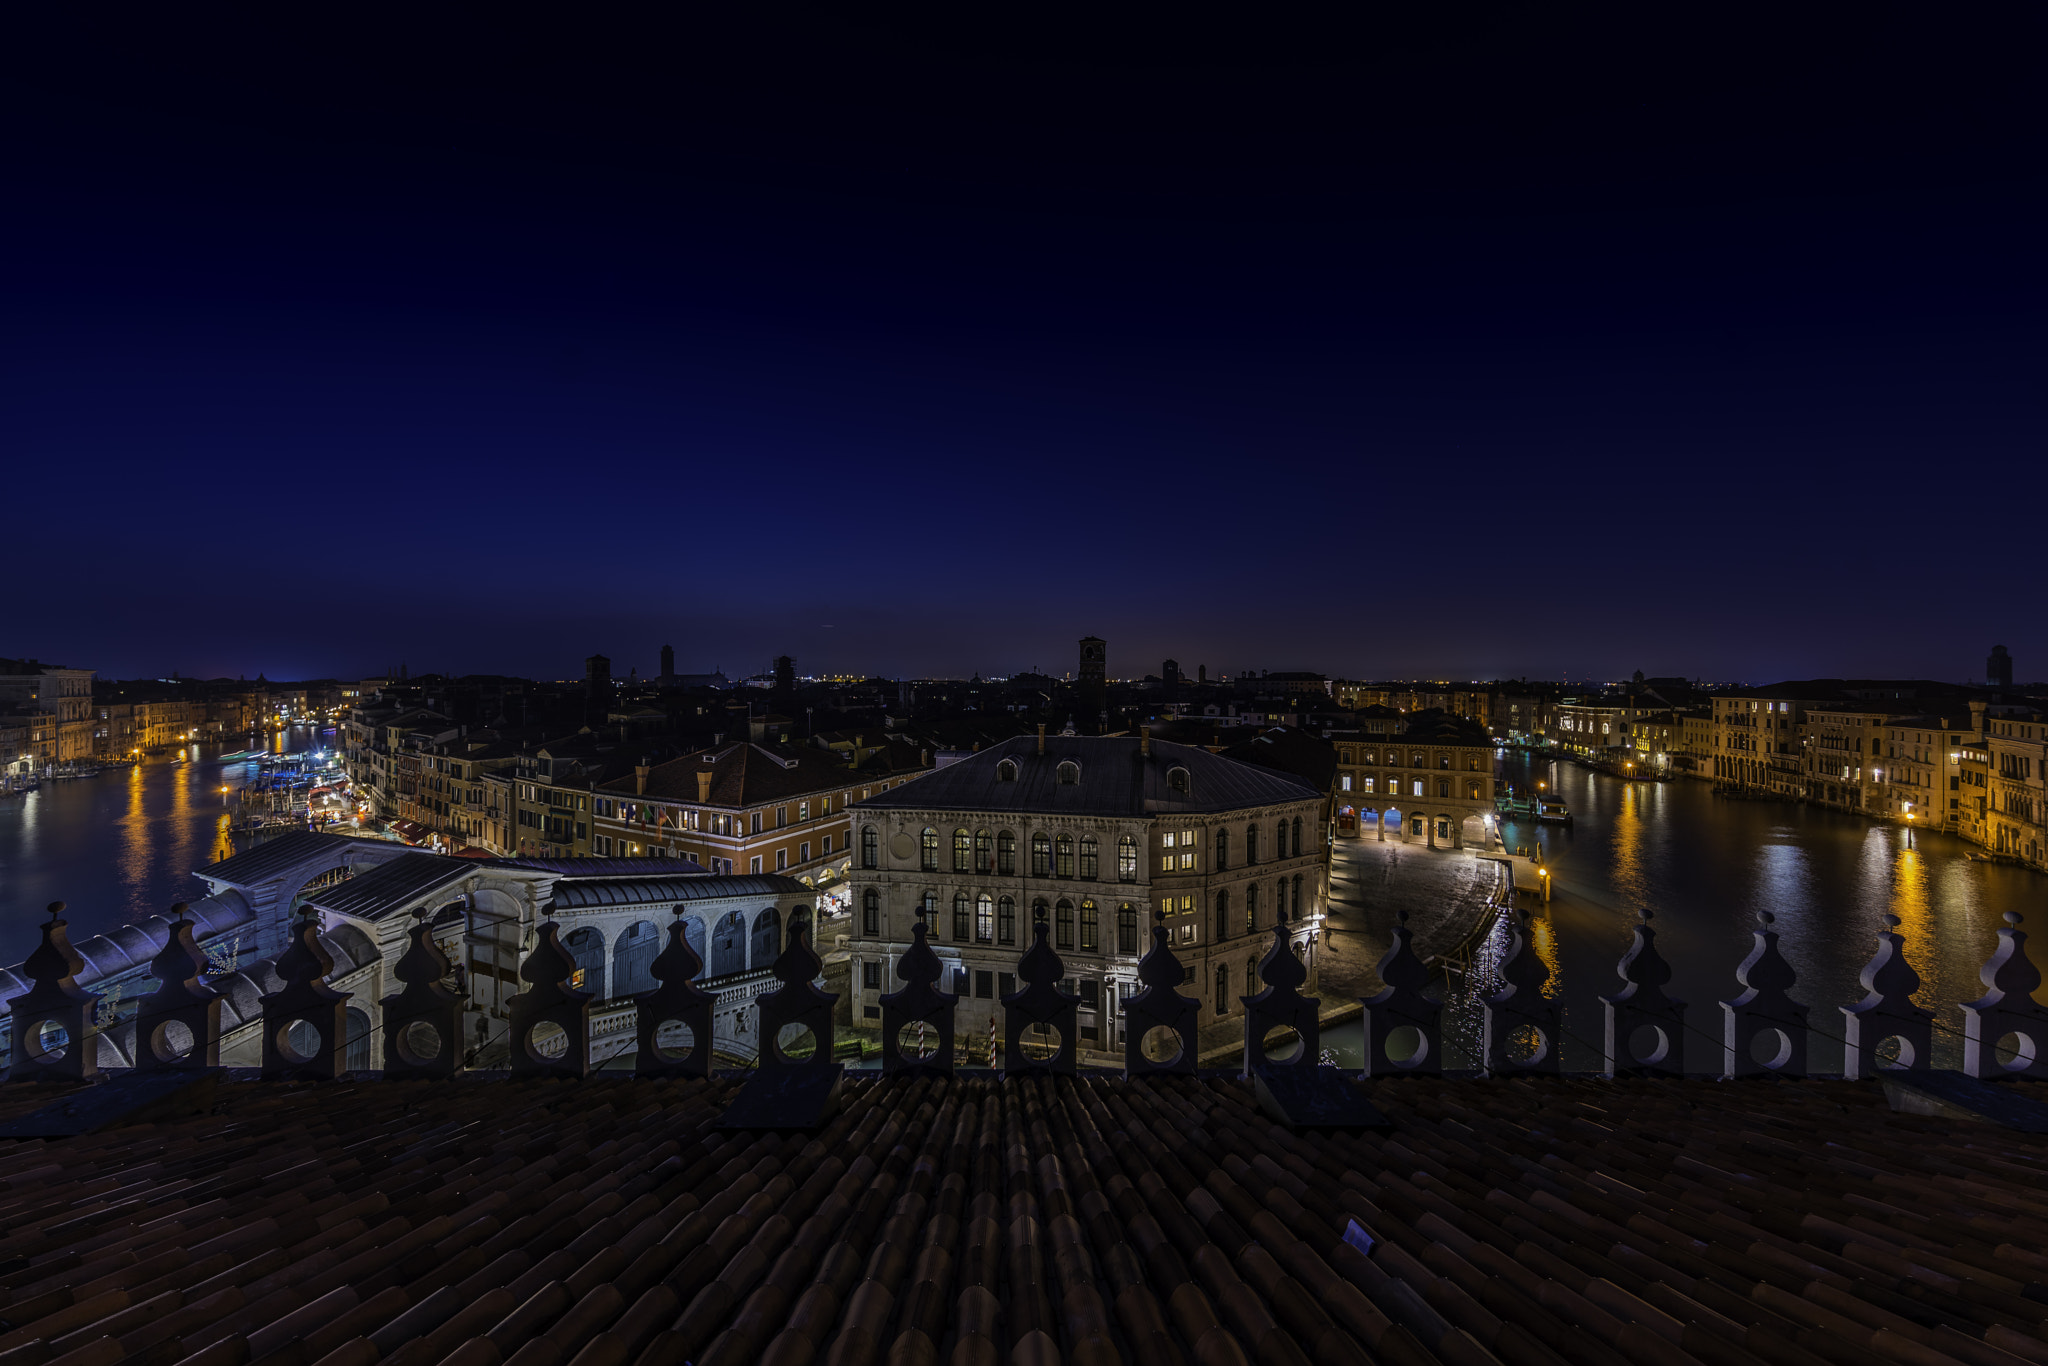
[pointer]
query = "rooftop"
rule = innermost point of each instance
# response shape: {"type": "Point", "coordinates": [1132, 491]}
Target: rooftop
{"type": "Point", "coordinates": [1090, 1220]}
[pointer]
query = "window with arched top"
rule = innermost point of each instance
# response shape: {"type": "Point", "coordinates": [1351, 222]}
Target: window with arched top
{"type": "Point", "coordinates": [1063, 857]}
{"type": "Point", "coordinates": [1177, 779]}
{"type": "Point", "coordinates": [1251, 845]}
{"type": "Point", "coordinates": [1006, 921]}
{"type": "Point", "coordinates": [1222, 848]}
{"type": "Point", "coordinates": [1297, 896]}
{"type": "Point", "coordinates": [963, 851]}
{"type": "Point", "coordinates": [1126, 928]}
{"type": "Point", "coordinates": [1041, 855]}
{"type": "Point", "coordinates": [1126, 859]}
{"type": "Point", "coordinates": [1090, 929]}
{"type": "Point", "coordinates": [1297, 837]}
{"type": "Point", "coordinates": [984, 919]}
{"type": "Point", "coordinates": [1006, 853]}
{"type": "Point", "coordinates": [1222, 989]}
{"type": "Point", "coordinates": [984, 852]}
{"type": "Point", "coordinates": [1223, 915]}
{"type": "Point", "coordinates": [929, 861]}
{"type": "Point", "coordinates": [1006, 771]}
{"type": "Point", "coordinates": [959, 916]}
{"type": "Point", "coordinates": [870, 847]}
{"type": "Point", "coordinates": [931, 909]}
{"type": "Point", "coordinates": [1063, 925]}
{"type": "Point", "coordinates": [1251, 976]}
{"type": "Point", "coordinates": [1280, 839]}
{"type": "Point", "coordinates": [871, 912]}
{"type": "Point", "coordinates": [1251, 907]}
{"type": "Point", "coordinates": [1068, 773]}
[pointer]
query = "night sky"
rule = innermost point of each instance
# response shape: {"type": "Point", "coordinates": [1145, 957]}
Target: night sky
{"type": "Point", "coordinates": [1453, 343]}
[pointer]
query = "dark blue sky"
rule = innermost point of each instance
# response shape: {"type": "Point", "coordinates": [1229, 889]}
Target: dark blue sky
{"type": "Point", "coordinates": [1447, 345]}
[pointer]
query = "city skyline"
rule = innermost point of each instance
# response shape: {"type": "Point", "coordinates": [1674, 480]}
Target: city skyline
{"type": "Point", "coordinates": [1384, 354]}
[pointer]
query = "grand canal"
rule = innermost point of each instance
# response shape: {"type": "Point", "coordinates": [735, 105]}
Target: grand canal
{"type": "Point", "coordinates": [118, 846]}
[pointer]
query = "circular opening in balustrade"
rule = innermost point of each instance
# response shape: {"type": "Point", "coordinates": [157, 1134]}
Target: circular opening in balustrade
{"type": "Point", "coordinates": [2014, 1051]}
{"type": "Point", "coordinates": [46, 1041]}
{"type": "Point", "coordinates": [796, 1043]}
{"type": "Point", "coordinates": [1041, 1042]}
{"type": "Point", "coordinates": [1159, 1045]}
{"type": "Point", "coordinates": [1406, 1046]}
{"type": "Point", "coordinates": [1770, 1048]}
{"type": "Point", "coordinates": [1649, 1045]}
{"type": "Point", "coordinates": [674, 1041]}
{"type": "Point", "coordinates": [1893, 1053]}
{"type": "Point", "coordinates": [547, 1042]}
{"type": "Point", "coordinates": [298, 1041]}
{"type": "Point", "coordinates": [419, 1043]}
{"type": "Point", "coordinates": [917, 1041]}
{"type": "Point", "coordinates": [1525, 1046]}
{"type": "Point", "coordinates": [1282, 1043]}
{"type": "Point", "coordinates": [171, 1041]}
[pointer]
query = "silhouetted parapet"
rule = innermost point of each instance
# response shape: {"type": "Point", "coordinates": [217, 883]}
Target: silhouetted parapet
{"type": "Point", "coordinates": [1520, 1004]}
{"type": "Point", "coordinates": [53, 1019]}
{"type": "Point", "coordinates": [2006, 1007]}
{"type": "Point", "coordinates": [1642, 1004]}
{"type": "Point", "coordinates": [677, 1002]}
{"type": "Point", "coordinates": [1762, 1011]}
{"type": "Point", "coordinates": [1402, 1005]}
{"type": "Point", "coordinates": [1040, 1002]}
{"type": "Point", "coordinates": [423, 1020]}
{"type": "Point", "coordinates": [305, 1021]}
{"type": "Point", "coordinates": [178, 1024]}
{"type": "Point", "coordinates": [550, 1020]}
{"type": "Point", "coordinates": [1280, 1005]}
{"type": "Point", "coordinates": [919, 1003]}
{"type": "Point", "coordinates": [1887, 1011]}
{"type": "Point", "coordinates": [798, 1001]}
{"type": "Point", "coordinates": [1159, 1006]}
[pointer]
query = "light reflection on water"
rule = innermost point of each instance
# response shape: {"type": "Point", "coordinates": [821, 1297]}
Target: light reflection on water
{"type": "Point", "coordinates": [118, 846]}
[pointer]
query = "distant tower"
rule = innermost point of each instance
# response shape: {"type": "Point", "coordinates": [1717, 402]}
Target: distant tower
{"type": "Point", "coordinates": [1169, 673]}
{"type": "Point", "coordinates": [785, 675]}
{"type": "Point", "coordinates": [597, 689]}
{"type": "Point", "coordinates": [1998, 668]}
{"type": "Point", "coordinates": [1201, 673]}
{"type": "Point", "coordinates": [1094, 661]}
{"type": "Point", "coordinates": [668, 662]}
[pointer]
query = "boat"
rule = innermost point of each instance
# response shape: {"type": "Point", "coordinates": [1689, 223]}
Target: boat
{"type": "Point", "coordinates": [1553, 811]}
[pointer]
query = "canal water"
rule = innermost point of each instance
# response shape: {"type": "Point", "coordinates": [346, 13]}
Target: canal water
{"type": "Point", "coordinates": [118, 846]}
{"type": "Point", "coordinates": [1706, 865]}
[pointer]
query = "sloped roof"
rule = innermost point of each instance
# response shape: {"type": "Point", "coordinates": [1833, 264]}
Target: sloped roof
{"type": "Point", "coordinates": [605, 867]}
{"type": "Point", "coordinates": [1115, 780]}
{"type": "Point", "coordinates": [377, 893]}
{"type": "Point", "coordinates": [274, 856]}
{"type": "Point", "coordinates": [742, 774]}
{"type": "Point", "coordinates": [645, 891]}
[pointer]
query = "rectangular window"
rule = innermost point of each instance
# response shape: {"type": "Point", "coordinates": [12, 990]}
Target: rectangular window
{"type": "Point", "coordinates": [871, 976]}
{"type": "Point", "coordinates": [803, 852]}
{"type": "Point", "coordinates": [754, 864]}
{"type": "Point", "coordinates": [1345, 782]}
{"type": "Point", "coordinates": [803, 811]}
{"type": "Point", "coordinates": [1418, 787]}
{"type": "Point", "coordinates": [781, 817]}
{"type": "Point", "coordinates": [1006, 983]}
{"type": "Point", "coordinates": [1088, 994]}
{"type": "Point", "coordinates": [781, 860]}
{"type": "Point", "coordinates": [826, 847]}
{"type": "Point", "coordinates": [984, 984]}
{"type": "Point", "coordinates": [1187, 860]}
{"type": "Point", "coordinates": [754, 823]}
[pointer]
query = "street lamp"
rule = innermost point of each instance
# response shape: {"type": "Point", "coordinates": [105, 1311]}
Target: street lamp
{"type": "Point", "coordinates": [1544, 873]}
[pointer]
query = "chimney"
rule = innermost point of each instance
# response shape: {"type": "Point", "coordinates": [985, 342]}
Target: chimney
{"type": "Point", "coordinates": [703, 786]}
{"type": "Point", "coordinates": [640, 779]}
{"type": "Point", "coordinates": [1041, 737]}
{"type": "Point", "coordinates": [1145, 741]}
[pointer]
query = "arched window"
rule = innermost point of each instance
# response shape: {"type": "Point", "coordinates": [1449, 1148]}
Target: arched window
{"type": "Point", "coordinates": [1091, 860]}
{"type": "Point", "coordinates": [1280, 899]}
{"type": "Point", "coordinates": [1251, 907]}
{"type": "Point", "coordinates": [963, 851]}
{"type": "Point", "coordinates": [1126, 859]}
{"type": "Point", "coordinates": [1006, 771]}
{"type": "Point", "coordinates": [984, 919]}
{"type": "Point", "coordinates": [930, 861]}
{"type": "Point", "coordinates": [1251, 845]}
{"type": "Point", "coordinates": [1280, 839]}
{"type": "Point", "coordinates": [931, 910]}
{"type": "Point", "coordinates": [1297, 896]}
{"type": "Point", "coordinates": [1222, 848]}
{"type": "Point", "coordinates": [1090, 940]}
{"type": "Point", "coordinates": [984, 852]}
{"type": "Point", "coordinates": [871, 911]}
{"type": "Point", "coordinates": [1006, 854]}
{"type": "Point", "coordinates": [1297, 837]}
{"type": "Point", "coordinates": [1068, 773]}
{"type": "Point", "coordinates": [1006, 921]}
{"type": "Point", "coordinates": [870, 847]}
{"type": "Point", "coordinates": [1063, 864]}
{"type": "Point", "coordinates": [1064, 924]}
{"type": "Point", "coordinates": [959, 916]}
{"type": "Point", "coordinates": [1251, 976]}
{"type": "Point", "coordinates": [1041, 855]}
{"type": "Point", "coordinates": [1126, 928]}
{"type": "Point", "coordinates": [1223, 915]}
{"type": "Point", "coordinates": [1177, 779]}
{"type": "Point", "coordinates": [1222, 988]}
